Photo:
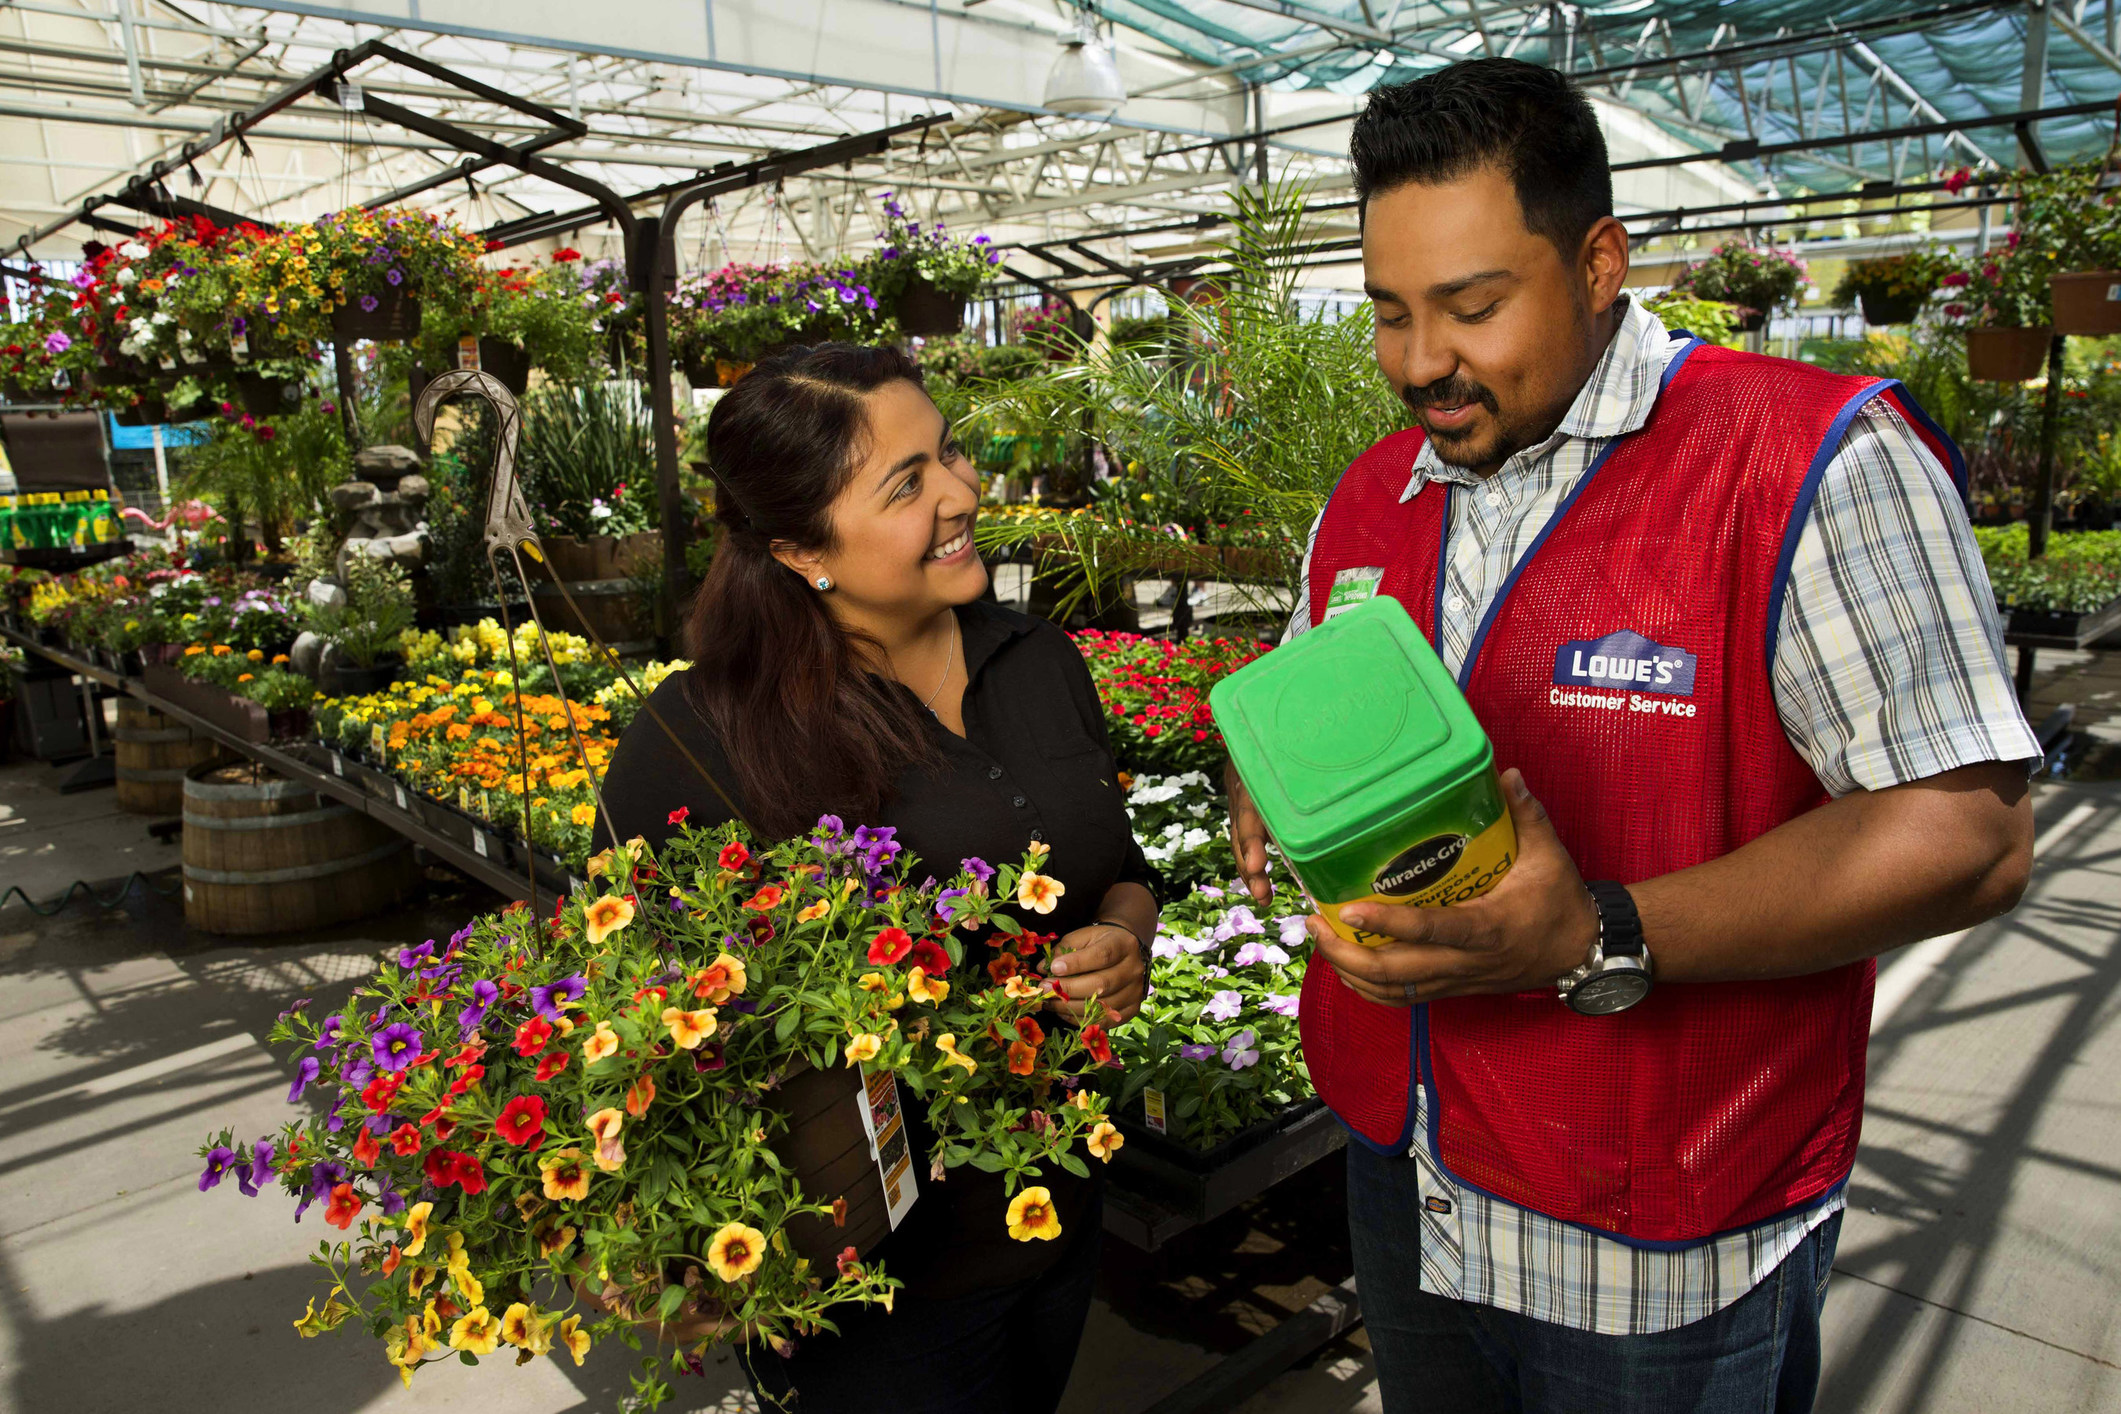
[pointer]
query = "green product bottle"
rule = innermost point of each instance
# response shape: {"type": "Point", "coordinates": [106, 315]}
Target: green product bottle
{"type": "Point", "coordinates": [75, 520]}
{"type": "Point", "coordinates": [1368, 766]}
{"type": "Point", "coordinates": [40, 520]}
{"type": "Point", "coordinates": [8, 530]}
{"type": "Point", "coordinates": [103, 525]}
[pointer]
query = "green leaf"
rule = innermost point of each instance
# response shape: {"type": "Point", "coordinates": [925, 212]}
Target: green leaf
{"type": "Point", "coordinates": [989, 1162]}
{"type": "Point", "coordinates": [1008, 925]}
{"type": "Point", "coordinates": [467, 1357]}
{"type": "Point", "coordinates": [1074, 1165]}
{"type": "Point", "coordinates": [673, 1297]}
{"type": "Point", "coordinates": [785, 1027]}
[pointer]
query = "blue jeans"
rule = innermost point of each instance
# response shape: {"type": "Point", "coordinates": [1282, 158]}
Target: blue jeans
{"type": "Point", "coordinates": [1758, 1355]}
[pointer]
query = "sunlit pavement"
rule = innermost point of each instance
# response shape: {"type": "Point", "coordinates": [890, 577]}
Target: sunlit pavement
{"type": "Point", "coordinates": [1979, 1266]}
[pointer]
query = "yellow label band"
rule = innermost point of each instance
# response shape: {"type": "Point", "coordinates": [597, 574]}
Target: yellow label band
{"type": "Point", "coordinates": [1485, 859]}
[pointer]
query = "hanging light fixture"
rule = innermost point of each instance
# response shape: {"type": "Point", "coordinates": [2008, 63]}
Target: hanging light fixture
{"type": "Point", "coordinates": [1085, 79]}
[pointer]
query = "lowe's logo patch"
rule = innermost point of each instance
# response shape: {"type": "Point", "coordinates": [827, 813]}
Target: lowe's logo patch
{"type": "Point", "coordinates": [1625, 660]}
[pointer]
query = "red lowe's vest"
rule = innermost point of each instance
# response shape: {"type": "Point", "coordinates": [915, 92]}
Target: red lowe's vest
{"type": "Point", "coordinates": [1624, 668]}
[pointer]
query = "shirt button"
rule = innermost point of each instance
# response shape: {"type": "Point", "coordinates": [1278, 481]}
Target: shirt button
{"type": "Point", "coordinates": [1455, 604]}
{"type": "Point", "coordinates": [994, 773]}
{"type": "Point", "coordinates": [1494, 499]}
{"type": "Point", "coordinates": [1038, 836]}
{"type": "Point", "coordinates": [1019, 802]}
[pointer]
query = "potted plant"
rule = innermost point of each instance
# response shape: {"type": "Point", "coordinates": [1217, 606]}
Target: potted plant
{"type": "Point", "coordinates": [1891, 289]}
{"type": "Point", "coordinates": [924, 275]}
{"type": "Point", "coordinates": [1758, 279]}
{"type": "Point", "coordinates": [2001, 297]}
{"type": "Point", "coordinates": [2074, 213]}
{"type": "Point", "coordinates": [517, 318]}
{"type": "Point", "coordinates": [724, 320]}
{"type": "Point", "coordinates": [1706, 319]}
{"type": "Point", "coordinates": [362, 624]}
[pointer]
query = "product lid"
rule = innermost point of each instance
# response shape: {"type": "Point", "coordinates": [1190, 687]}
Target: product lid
{"type": "Point", "coordinates": [1348, 727]}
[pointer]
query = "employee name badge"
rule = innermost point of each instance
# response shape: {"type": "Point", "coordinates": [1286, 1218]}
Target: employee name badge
{"type": "Point", "coordinates": [886, 1128]}
{"type": "Point", "coordinates": [1352, 587]}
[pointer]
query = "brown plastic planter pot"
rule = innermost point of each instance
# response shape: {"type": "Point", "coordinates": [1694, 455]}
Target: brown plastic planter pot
{"type": "Point", "coordinates": [396, 316]}
{"type": "Point", "coordinates": [2004, 355]}
{"type": "Point", "coordinates": [2087, 302]}
{"type": "Point", "coordinates": [926, 311]}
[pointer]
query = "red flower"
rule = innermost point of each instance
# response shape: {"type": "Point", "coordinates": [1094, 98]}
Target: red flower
{"type": "Point", "coordinates": [565, 254]}
{"type": "Point", "coordinates": [659, 993]}
{"type": "Point", "coordinates": [552, 1064]}
{"type": "Point", "coordinates": [733, 856]}
{"type": "Point", "coordinates": [471, 1052]}
{"type": "Point", "coordinates": [1023, 1059]}
{"type": "Point", "coordinates": [1001, 969]}
{"type": "Point", "coordinates": [1095, 1043]}
{"type": "Point", "coordinates": [848, 1263]}
{"type": "Point", "coordinates": [343, 1208]}
{"type": "Point", "coordinates": [521, 1120]}
{"type": "Point", "coordinates": [680, 815]}
{"type": "Point", "coordinates": [405, 1141]}
{"type": "Point", "coordinates": [366, 1150]}
{"type": "Point", "coordinates": [469, 1175]}
{"type": "Point", "coordinates": [761, 930]}
{"type": "Point", "coordinates": [1028, 1031]}
{"type": "Point", "coordinates": [440, 1166]}
{"type": "Point", "coordinates": [381, 1091]}
{"type": "Point", "coordinates": [929, 957]}
{"type": "Point", "coordinates": [472, 1076]}
{"type": "Point", "coordinates": [532, 1035]}
{"type": "Point", "coordinates": [890, 945]}
{"type": "Point", "coordinates": [768, 897]}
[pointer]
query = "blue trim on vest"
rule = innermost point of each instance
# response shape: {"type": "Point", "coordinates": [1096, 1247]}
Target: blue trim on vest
{"type": "Point", "coordinates": [1801, 508]}
{"type": "Point", "coordinates": [1435, 1147]}
{"type": "Point", "coordinates": [1443, 572]}
{"type": "Point", "coordinates": [1671, 369]}
{"type": "Point", "coordinates": [1957, 464]}
{"type": "Point", "coordinates": [1487, 620]}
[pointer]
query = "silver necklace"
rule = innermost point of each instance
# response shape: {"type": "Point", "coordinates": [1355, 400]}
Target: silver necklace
{"type": "Point", "coordinates": [948, 658]}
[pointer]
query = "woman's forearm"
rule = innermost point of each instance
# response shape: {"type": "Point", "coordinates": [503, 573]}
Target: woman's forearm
{"type": "Point", "coordinates": [1133, 908]}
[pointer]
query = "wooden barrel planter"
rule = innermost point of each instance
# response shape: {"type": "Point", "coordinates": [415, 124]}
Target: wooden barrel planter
{"type": "Point", "coordinates": [599, 575]}
{"type": "Point", "coordinates": [154, 753]}
{"type": "Point", "coordinates": [828, 1149]}
{"type": "Point", "coordinates": [267, 855]}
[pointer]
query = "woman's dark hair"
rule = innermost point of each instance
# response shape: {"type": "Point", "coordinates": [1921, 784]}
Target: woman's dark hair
{"type": "Point", "coordinates": [1528, 120]}
{"type": "Point", "coordinates": [806, 726]}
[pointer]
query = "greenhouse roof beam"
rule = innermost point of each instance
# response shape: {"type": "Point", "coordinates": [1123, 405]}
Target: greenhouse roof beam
{"type": "Point", "coordinates": [1748, 149]}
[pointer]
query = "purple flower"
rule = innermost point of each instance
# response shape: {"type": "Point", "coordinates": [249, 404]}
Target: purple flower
{"type": "Point", "coordinates": [1223, 1006]}
{"type": "Point", "coordinates": [396, 1045]}
{"type": "Point", "coordinates": [978, 868]}
{"type": "Point", "coordinates": [387, 1194]}
{"type": "Point", "coordinates": [325, 1175]}
{"type": "Point", "coordinates": [411, 958]}
{"type": "Point", "coordinates": [1282, 1003]}
{"type": "Point", "coordinates": [395, 276]}
{"type": "Point", "coordinates": [305, 1071]}
{"type": "Point", "coordinates": [369, 303]}
{"type": "Point", "coordinates": [483, 995]}
{"type": "Point", "coordinates": [1197, 946]}
{"type": "Point", "coordinates": [328, 1033]}
{"type": "Point", "coordinates": [359, 1071]}
{"type": "Point", "coordinates": [255, 1172]}
{"type": "Point", "coordinates": [1241, 1051]}
{"type": "Point", "coordinates": [1166, 946]}
{"type": "Point", "coordinates": [981, 239]}
{"type": "Point", "coordinates": [1238, 920]}
{"type": "Point", "coordinates": [1293, 932]}
{"type": "Point", "coordinates": [463, 935]}
{"type": "Point", "coordinates": [218, 1161]}
{"type": "Point", "coordinates": [1209, 891]}
{"type": "Point", "coordinates": [1260, 952]}
{"type": "Point", "coordinates": [1194, 1053]}
{"type": "Point", "coordinates": [57, 342]}
{"type": "Point", "coordinates": [943, 910]}
{"type": "Point", "coordinates": [546, 1000]}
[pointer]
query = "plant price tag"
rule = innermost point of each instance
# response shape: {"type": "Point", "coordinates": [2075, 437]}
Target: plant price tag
{"type": "Point", "coordinates": [403, 803]}
{"type": "Point", "coordinates": [478, 842]}
{"type": "Point", "coordinates": [338, 765]}
{"type": "Point", "coordinates": [886, 1128]}
{"type": "Point", "coordinates": [375, 738]}
{"type": "Point", "coordinates": [468, 351]}
{"type": "Point", "coordinates": [1153, 1109]}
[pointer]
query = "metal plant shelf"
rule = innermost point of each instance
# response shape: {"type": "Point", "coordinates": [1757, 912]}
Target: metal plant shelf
{"type": "Point", "coordinates": [1153, 1197]}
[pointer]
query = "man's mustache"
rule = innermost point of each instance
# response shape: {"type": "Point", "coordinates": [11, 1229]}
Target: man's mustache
{"type": "Point", "coordinates": [1447, 392]}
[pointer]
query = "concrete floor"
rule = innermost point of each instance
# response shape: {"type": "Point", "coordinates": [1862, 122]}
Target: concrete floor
{"type": "Point", "coordinates": [1979, 1266]}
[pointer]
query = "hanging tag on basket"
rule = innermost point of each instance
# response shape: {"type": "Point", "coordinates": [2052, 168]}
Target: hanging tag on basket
{"type": "Point", "coordinates": [886, 1128]}
{"type": "Point", "coordinates": [468, 351]}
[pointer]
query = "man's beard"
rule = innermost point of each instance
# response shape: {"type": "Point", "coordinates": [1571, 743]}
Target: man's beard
{"type": "Point", "coordinates": [1461, 448]}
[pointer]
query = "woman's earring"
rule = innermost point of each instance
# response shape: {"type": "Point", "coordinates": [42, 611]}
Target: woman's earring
{"type": "Point", "coordinates": [824, 582]}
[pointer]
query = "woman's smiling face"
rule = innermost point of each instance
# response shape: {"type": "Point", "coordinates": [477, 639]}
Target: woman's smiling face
{"type": "Point", "coordinates": [902, 526]}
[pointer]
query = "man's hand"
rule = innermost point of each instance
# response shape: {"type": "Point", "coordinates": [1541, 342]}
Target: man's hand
{"type": "Point", "coordinates": [1248, 838]}
{"type": "Point", "coordinates": [1104, 959]}
{"type": "Point", "coordinates": [1535, 925]}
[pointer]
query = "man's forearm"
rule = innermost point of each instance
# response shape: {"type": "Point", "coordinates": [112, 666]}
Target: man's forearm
{"type": "Point", "coordinates": [1857, 877]}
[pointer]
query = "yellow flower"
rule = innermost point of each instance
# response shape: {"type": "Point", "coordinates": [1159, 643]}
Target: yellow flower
{"type": "Point", "coordinates": [416, 1228]}
{"type": "Point", "coordinates": [863, 1048]}
{"type": "Point", "coordinates": [736, 1251]}
{"type": "Point", "coordinates": [921, 989]}
{"type": "Point", "coordinates": [1039, 892]}
{"type": "Point", "coordinates": [689, 1028]}
{"type": "Point", "coordinates": [814, 912]}
{"type": "Point", "coordinates": [873, 982]}
{"type": "Point", "coordinates": [1031, 1215]}
{"type": "Point", "coordinates": [468, 1286]}
{"type": "Point", "coordinates": [565, 1177]}
{"type": "Point", "coordinates": [601, 1043]}
{"type": "Point", "coordinates": [723, 978]}
{"type": "Point", "coordinates": [477, 1331]}
{"type": "Point", "coordinates": [520, 1326]}
{"type": "Point", "coordinates": [1104, 1140]}
{"type": "Point", "coordinates": [1020, 989]}
{"type": "Point", "coordinates": [611, 913]}
{"type": "Point", "coordinates": [574, 1338]}
{"type": "Point", "coordinates": [1038, 849]}
{"type": "Point", "coordinates": [584, 814]}
{"type": "Point", "coordinates": [256, 655]}
{"type": "Point", "coordinates": [605, 1124]}
{"type": "Point", "coordinates": [947, 1044]}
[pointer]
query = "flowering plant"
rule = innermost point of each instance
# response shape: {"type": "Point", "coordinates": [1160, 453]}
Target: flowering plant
{"type": "Point", "coordinates": [1155, 695]}
{"type": "Point", "coordinates": [1911, 274]}
{"type": "Point", "coordinates": [1760, 278]}
{"type": "Point", "coordinates": [1049, 326]}
{"type": "Point", "coordinates": [741, 313]}
{"type": "Point", "coordinates": [2005, 287]}
{"type": "Point", "coordinates": [539, 309]}
{"type": "Point", "coordinates": [546, 1135]}
{"type": "Point", "coordinates": [907, 250]}
{"type": "Point", "coordinates": [284, 285]}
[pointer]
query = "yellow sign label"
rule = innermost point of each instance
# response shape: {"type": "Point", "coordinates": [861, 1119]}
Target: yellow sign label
{"type": "Point", "coordinates": [1478, 864]}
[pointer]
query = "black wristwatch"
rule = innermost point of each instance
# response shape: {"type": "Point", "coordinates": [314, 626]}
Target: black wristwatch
{"type": "Point", "coordinates": [1617, 974]}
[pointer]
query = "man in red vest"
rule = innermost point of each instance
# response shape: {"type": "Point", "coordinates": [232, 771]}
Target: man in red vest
{"type": "Point", "coordinates": [1723, 614]}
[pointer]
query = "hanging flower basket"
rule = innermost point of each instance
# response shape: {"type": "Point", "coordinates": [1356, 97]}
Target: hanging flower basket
{"type": "Point", "coordinates": [2006, 355]}
{"type": "Point", "coordinates": [926, 311]}
{"type": "Point", "coordinates": [1881, 308]}
{"type": "Point", "coordinates": [144, 413]}
{"type": "Point", "coordinates": [1750, 320]}
{"type": "Point", "coordinates": [499, 357]}
{"type": "Point", "coordinates": [394, 313]}
{"type": "Point", "coordinates": [2087, 302]}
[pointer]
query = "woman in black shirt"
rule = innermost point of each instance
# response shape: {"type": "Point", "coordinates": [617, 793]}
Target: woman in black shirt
{"type": "Point", "coordinates": [845, 662]}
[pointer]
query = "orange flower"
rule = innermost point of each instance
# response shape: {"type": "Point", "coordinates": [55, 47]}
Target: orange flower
{"type": "Point", "coordinates": [601, 1043]}
{"type": "Point", "coordinates": [565, 1177]}
{"type": "Point", "coordinates": [343, 1208]}
{"type": "Point", "coordinates": [640, 1095]}
{"type": "Point", "coordinates": [736, 1251]}
{"type": "Point", "coordinates": [768, 897]}
{"type": "Point", "coordinates": [1104, 1140]}
{"type": "Point", "coordinates": [1031, 1216]}
{"type": "Point", "coordinates": [814, 912]}
{"type": "Point", "coordinates": [873, 982]}
{"type": "Point", "coordinates": [863, 1048]}
{"type": "Point", "coordinates": [391, 1257]}
{"type": "Point", "coordinates": [721, 979]}
{"type": "Point", "coordinates": [1020, 989]}
{"type": "Point", "coordinates": [606, 916]}
{"type": "Point", "coordinates": [689, 1028]}
{"type": "Point", "coordinates": [947, 1044]}
{"type": "Point", "coordinates": [1023, 1059]}
{"type": "Point", "coordinates": [921, 989]}
{"type": "Point", "coordinates": [605, 1125]}
{"type": "Point", "coordinates": [1039, 892]}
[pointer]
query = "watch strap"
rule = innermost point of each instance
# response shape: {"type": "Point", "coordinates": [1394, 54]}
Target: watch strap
{"type": "Point", "coordinates": [1619, 925]}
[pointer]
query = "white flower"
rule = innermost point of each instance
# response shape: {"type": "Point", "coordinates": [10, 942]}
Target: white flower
{"type": "Point", "coordinates": [126, 276]}
{"type": "Point", "coordinates": [161, 316]}
{"type": "Point", "coordinates": [133, 250]}
{"type": "Point", "coordinates": [1195, 838]}
{"type": "Point", "coordinates": [599, 511]}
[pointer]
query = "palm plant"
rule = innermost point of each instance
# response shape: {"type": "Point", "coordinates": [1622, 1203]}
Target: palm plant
{"type": "Point", "coordinates": [582, 443]}
{"type": "Point", "coordinates": [1244, 416]}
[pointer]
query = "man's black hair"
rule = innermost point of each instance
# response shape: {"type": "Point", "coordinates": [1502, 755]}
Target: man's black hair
{"type": "Point", "coordinates": [1526, 119]}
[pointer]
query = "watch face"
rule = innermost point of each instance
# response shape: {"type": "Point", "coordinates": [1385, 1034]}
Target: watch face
{"type": "Point", "coordinates": [1609, 992]}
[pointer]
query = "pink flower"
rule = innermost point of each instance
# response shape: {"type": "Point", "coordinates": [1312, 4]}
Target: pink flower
{"type": "Point", "coordinates": [1956, 279]}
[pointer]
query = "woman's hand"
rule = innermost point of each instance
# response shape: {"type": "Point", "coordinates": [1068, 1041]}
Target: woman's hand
{"type": "Point", "coordinates": [1104, 959]}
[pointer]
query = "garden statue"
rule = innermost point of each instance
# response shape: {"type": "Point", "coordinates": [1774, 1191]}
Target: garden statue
{"type": "Point", "coordinates": [386, 500]}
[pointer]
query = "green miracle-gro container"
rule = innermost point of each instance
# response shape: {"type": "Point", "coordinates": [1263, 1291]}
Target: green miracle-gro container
{"type": "Point", "coordinates": [1368, 766]}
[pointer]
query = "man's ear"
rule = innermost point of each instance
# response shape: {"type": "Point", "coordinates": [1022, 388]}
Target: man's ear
{"type": "Point", "coordinates": [1605, 262]}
